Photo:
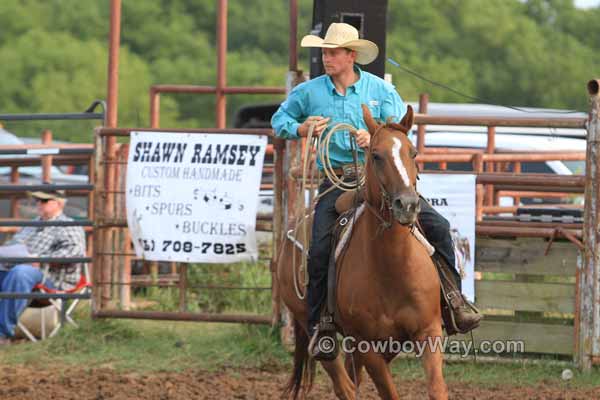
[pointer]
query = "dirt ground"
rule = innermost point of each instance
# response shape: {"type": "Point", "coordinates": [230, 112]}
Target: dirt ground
{"type": "Point", "coordinates": [103, 384]}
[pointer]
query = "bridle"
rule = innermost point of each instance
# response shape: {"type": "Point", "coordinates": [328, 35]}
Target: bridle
{"type": "Point", "coordinates": [385, 214]}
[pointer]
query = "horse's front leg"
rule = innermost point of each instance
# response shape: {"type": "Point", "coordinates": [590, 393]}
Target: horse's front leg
{"type": "Point", "coordinates": [379, 371]}
{"type": "Point", "coordinates": [343, 386]}
{"type": "Point", "coordinates": [430, 342]}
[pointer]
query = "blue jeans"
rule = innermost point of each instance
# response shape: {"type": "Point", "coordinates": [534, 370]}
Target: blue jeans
{"type": "Point", "coordinates": [20, 279]}
{"type": "Point", "coordinates": [435, 227]}
{"type": "Point", "coordinates": [318, 254]}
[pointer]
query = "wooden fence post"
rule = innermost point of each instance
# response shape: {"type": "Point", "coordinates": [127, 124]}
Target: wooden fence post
{"type": "Point", "coordinates": [588, 345]}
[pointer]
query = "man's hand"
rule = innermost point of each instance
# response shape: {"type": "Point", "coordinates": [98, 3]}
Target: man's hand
{"type": "Point", "coordinates": [363, 138]}
{"type": "Point", "coordinates": [319, 122]}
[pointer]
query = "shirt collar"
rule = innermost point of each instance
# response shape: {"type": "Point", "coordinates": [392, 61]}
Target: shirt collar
{"type": "Point", "coordinates": [56, 217]}
{"type": "Point", "coordinates": [330, 85]}
{"type": "Point", "coordinates": [356, 86]}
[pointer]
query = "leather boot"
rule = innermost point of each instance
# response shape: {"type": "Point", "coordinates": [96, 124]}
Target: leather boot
{"type": "Point", "coordinates": [323, 345]}
{"type": "Point", "coordinates": [459, 315]}
{"type": "Point", "coordinates": [464, 316]}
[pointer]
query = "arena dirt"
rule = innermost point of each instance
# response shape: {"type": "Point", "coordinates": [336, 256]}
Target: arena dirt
{"type": "Point", "coordinates": [103, 384]}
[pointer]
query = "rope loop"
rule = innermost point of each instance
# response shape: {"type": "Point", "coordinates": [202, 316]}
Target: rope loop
{"type": "Point", "coordinates": [326, 162]}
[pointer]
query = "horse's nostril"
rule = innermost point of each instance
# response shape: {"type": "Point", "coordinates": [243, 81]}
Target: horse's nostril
{"type": "Point", "coordinates": [397, 204]}
{"type": "Point", "coordinates": [406, 203]}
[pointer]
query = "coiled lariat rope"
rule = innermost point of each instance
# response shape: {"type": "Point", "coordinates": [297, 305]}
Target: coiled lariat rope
{"type": "Point", "coordinates": [303, 213]}
{"type": "Point", "coordinates": [326, 162]}
{"type": "Point", "coordinates": [302, 217]}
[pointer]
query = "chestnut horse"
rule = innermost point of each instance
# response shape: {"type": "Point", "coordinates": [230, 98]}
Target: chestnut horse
{"type": "Point", "coordinates": [387, 284]}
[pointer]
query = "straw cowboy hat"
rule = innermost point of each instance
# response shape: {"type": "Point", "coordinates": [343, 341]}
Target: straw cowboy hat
{"type": "Point", "coordinates": [52, 194]}
{"type": "Point", "coordinates": [344, 35]}
{"type": "Point", "coordinates": [48, 195]}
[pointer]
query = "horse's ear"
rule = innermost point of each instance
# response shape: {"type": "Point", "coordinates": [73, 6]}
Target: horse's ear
{"type": "Point", "coordinates": [369, 121]}
{"type": "Point", "coordinates": [408, 119]}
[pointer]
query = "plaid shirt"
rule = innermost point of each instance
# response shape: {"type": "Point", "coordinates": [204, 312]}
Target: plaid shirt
{"type": "Point", "coordinates": [55, 241]}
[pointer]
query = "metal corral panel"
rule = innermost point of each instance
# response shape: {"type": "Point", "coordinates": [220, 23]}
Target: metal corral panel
{"type": "Point", "coordinates": [526, 295]}
{"type": "Point", "coordinates": [536, 337]}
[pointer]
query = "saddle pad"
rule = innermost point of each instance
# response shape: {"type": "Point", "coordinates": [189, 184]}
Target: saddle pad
{"type": "Point", "coordinates": [343, 228]}
{"type": "Point", "coordinates": [342, 232]}
{"type": "Point", "coordinates": [345, 223]}
{"type": "Point", "coordinates": [421, 238]}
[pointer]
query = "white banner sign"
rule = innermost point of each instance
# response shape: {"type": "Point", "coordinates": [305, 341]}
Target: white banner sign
{"type": "Point", "coordinates": [453, 196]}
{"type": "Point", "coordinates": [193, 197]}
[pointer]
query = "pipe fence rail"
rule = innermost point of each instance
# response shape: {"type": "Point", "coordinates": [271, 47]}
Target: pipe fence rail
{"type": "Point", "coordinates": [48, 155]}
{"type": "Point", "coordinates": [88, 114]}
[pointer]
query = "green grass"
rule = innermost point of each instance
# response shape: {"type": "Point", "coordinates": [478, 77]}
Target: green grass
{"type": "Point", "coordinates": [243, 274]}
{"type": "Point", "coordinates": [495, 374]}
{"type": "Point", "coordinates": [150, 346]}
{"type": "Point", "coordinates": [153, 346]}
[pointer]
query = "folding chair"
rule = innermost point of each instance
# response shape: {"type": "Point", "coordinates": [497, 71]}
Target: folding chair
{"type": "Point", "coordinates": [53, 309]}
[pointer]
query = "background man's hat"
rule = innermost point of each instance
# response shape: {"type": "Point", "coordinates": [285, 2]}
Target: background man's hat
{"type": "Point", "coordinates": [344, 35]}
{"type": "Point", "coordinates": [48, 194]}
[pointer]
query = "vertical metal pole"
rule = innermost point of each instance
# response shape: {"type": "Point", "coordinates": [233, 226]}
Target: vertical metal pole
{"type": "Point", "coordinates": [183, 287]}
{"type": "Point", "coordinates": [588, 344]}
{"type": "Point", "coordinates": [491, 146]}
{"type": "Point", "coordinates": [286, 156]}
{"type": "Point", "coordinates": [293, 155]}
{"type": "Point", "coordinates": [517, 170]}
{"type": "Point", "coordinates": [154, 108]}
{"type": "Point", "coordinates": [423, 102]}
{"type": "Point", "coordinates": [91, 237]}
{"type": "Point", "coordinates": [113, 67]}
{"type": "Point", "coordinates": [14, 199]}
{"type": "Point", "coordinates": [46, 160]}
{"type": "Point", "coordinates": [126, 276]}
{"type": "Point", "coordinates": [480, 192]}
{"type": "Point", "coordinates": [100, 235]}
{"type": "Point", "coordinates": [110, 151]}
{"type": "Point", "coordinates": [278, 225]}
{"type": "Point", "coordinates": [293, 40]}
{"type": "Point", "coordinates": [221, 104]}
{"type": "Point", "coordinates": [124, 244]}
{"type": "Point", "coordinates": [154, 123]}
{"type": "Point", "coordinates": [578, 298]}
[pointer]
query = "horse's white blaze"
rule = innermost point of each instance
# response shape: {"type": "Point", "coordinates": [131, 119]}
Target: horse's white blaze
{"type": "Point", "coordinates": [398, 161]}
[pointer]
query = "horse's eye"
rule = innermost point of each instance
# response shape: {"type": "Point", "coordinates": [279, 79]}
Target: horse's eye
{"type": "Point", "coordinates": [413, 153]}
{"type": "Point", "coordinates": [376, 157]}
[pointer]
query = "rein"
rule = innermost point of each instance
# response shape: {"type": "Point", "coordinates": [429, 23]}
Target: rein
{"type": "Point", "coordinates": [386, 203]}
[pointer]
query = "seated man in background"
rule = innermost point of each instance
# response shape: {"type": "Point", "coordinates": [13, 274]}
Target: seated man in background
{"type": "Point", "coordinates": [47, 241]}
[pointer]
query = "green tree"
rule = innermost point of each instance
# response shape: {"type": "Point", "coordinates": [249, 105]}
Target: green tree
{"type": "Point", "coordinates": [54, 54]}
{"type": "Point", "coordinates": [54, 72]}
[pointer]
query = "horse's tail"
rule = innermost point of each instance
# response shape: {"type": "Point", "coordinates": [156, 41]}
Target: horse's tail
{"type": "Point", "coordinates": [303, 374]}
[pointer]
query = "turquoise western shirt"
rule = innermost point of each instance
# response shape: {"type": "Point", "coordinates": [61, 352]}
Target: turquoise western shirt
{"type": "Point", "coordinates": [320, 97]}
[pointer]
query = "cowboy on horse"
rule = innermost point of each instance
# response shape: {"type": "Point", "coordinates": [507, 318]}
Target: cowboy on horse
{"type": "Point", "coordinates": [336, 97]}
